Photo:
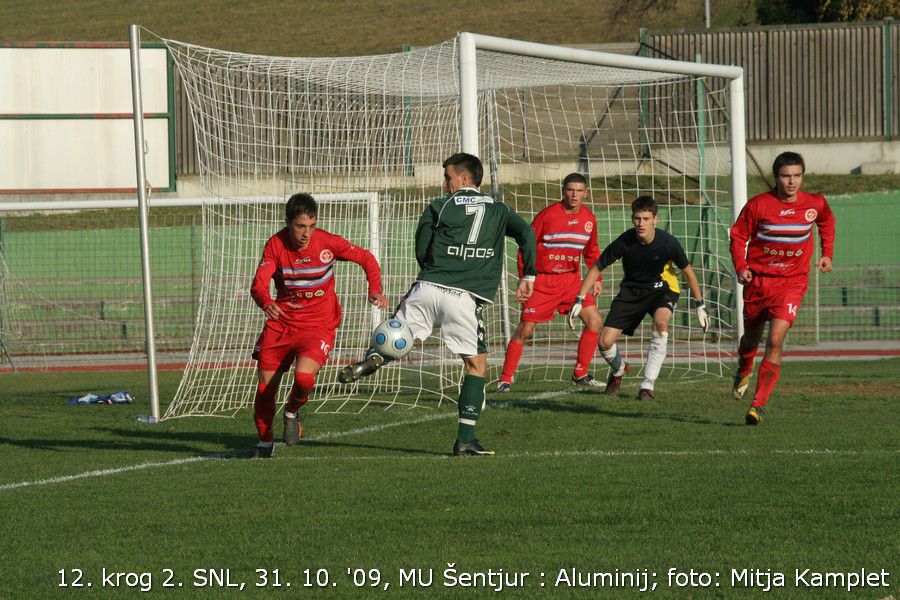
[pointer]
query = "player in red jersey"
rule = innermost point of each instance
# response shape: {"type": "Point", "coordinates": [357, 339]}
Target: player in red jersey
{"type": "Point", "coordinates": [301, 320]}
{"type": "Point", "coordinates": [566, 231]}
{"type": "Point", "coordinates": [771, 246]}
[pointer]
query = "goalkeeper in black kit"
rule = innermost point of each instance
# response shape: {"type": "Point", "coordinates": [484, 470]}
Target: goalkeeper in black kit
{"type": "Point", "coordinates": [649, 287]}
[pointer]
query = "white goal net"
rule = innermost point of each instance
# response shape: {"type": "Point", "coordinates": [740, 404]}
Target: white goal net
{"type": "Point", "coordinates": [364, 132]}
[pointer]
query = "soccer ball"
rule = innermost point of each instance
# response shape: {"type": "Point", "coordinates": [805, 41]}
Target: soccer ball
{"type": "Point", "coordinates": [392, 339]}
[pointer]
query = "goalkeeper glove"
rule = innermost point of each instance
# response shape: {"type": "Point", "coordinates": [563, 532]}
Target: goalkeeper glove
{"type": "Point", "coordinates": [575, 311]}
{"type": "Point", "coordinates": [702, 315]}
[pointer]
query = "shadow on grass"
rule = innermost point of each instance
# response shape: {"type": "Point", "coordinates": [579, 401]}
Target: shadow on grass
{"type": "Point", "coordinates": [328, 444]}
{"type": "Point", "coordinates": [604, 406]}
{"type": "Point", "coordinates": [546, 405]}
{"type": "Point", "coordinates": [141, 441]}
{"type": "Point", "coordinates": [228, 445]}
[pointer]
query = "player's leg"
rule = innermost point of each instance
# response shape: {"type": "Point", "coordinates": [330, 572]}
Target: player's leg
{"type": "Point", "coordinates": [625, 313]}
{"type": "Point", "coordinates": [587, 346]}
{"type": "Point", "coordinates": [539, 308]}
{"type": "Point", "coordinates": [656, 352]}
{"type": "Point", "coordinates": [264, 410]}
{"type": "Point", "coordinates": [305, 371]}
{"type": "Point", "coordinates": [609, 349]}
{"type": "Point", "coordinates": [471, 402]}
{"type": "Point", "coordinates": [461, 318]}
{"type": "Point", "coordinates": [274, 353]}
{"type": "Point", "coordinates": [524, 331]}
{"type": "Point", "coordinates": [756, 314]}
{"type": "Point", "coordinates": [783, 299]}
{"type": "Point", "coordinates": [416, 309]}
{"type": "Point", "coordinates": [769, 369]}
{"type": "Point", "coordinates": [747, 348]}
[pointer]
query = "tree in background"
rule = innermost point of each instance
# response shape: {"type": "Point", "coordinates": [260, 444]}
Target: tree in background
{"type": "Point", "coordinates": [776, 12]}
{"type": "Point", "coordinates": [768, 12]}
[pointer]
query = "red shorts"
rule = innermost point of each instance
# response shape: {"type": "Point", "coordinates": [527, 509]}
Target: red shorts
{"type": "Point", "coordinates": [767, 298]}
{"type": "Point", "coordinates": [553, 292]}
{"type": "Point", "coordinates": [278, 346]}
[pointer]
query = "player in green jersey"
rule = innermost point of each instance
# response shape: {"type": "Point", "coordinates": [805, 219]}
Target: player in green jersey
{"type": "Point", "coordinates": [459, 248]}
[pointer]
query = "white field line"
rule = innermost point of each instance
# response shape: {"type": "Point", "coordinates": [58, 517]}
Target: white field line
{"type": "Point", "coordinates": [425, 419]}
{"type": "Point", "coordinates": [511, 456]}
{"type": "Point", "coordinates": [326, 436]}
{"type": "Point", "coordinates": [104, 472]}
{"type": "Point", "coordinates": [435, 417]}
{"type": "Point", "coordinates": [615, 454]}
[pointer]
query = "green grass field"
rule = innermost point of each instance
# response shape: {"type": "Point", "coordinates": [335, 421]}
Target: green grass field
{"type": "Point", "coordinates": [341, 28]}
{"type": "Point", "coordinates": [580, 480]}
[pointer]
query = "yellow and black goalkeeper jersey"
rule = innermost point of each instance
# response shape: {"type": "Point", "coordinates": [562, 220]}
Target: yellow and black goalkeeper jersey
{"type": "Point", "coordinates": [646, 265]}
{"type": "Point", "coordinates": [669, 276]}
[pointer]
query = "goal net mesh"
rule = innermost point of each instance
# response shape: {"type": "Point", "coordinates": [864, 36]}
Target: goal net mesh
{"type": "Point", "coordinates": [367, 135]}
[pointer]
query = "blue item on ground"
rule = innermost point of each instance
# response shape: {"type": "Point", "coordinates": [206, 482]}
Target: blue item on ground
{"type": "Point", "coordinates": [114, 398]}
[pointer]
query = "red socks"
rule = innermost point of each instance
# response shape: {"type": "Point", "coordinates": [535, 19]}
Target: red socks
{"type": "Point", "coordinates": [264, 410]}
{"type": "Point", "coordinates": [587, 346]}
{"type": "Point", "coordinates": [745, 360]}
{"type": "Point", "coordinates": [513, 354]}
{"type": "Point", "coordinates": [264, 402]}
{"type": "Point", "coordinates": [765, 382]}
{"type": "Point", "coordinates": [303, 387]}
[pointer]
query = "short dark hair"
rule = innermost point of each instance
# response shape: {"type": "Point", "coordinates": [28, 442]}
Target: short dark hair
{"type": "Point", "coordinates": [469, 163]}
{"type": "Point", "coordinates": [300, 204]}
{"type": "Point", "coordinates": [644, 203]}
{"type": "Point", "coordinates": [574, 178]}
{"type": "Point", "coordinates": [786, 159]}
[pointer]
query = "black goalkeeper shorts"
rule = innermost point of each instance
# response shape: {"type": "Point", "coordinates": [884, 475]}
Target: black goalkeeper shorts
{"type": "Point", "coordinates": [631, 305]}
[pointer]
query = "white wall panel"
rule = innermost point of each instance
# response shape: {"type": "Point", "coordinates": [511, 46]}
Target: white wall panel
{"type": "Point", "coordinates": [79, 80]}
{"type": "Point", "coordinates": [79, 154]}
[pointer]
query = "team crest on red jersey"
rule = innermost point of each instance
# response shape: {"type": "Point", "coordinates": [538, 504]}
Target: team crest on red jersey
{"type": "Point", "coordinates": [326, 255]}
{"type": "Point", "coordinates": [811, 215]}
{"type": "Point", "coordinates": [588, 227]}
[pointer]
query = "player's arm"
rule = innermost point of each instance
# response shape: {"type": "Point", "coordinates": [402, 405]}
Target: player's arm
{"type": "Point", "coordinates": [693, 284]}
{"type": "Point", "coordinates": [424, 235]}
{"type": "Point", "coordinates": [344, 250]}
{"type": "Point", "coordinates": [259, 289]}
{"type": "Point", "coordinates": [610, 254]}
{"type": "Point", "coordinates": [825, 223]}
{"type": "Point", "coordinates": [591, 255]}
{"type": "Point", "coordinates": [743, 228]}
{"type": "Point", "coordinates": [519, 230]}
{"type": "Point", "coordinates": [691, 278]}
{"type": "Point", "coordinates": [537, 226]}
{"type": "Point", "coordinates": [680, 259]}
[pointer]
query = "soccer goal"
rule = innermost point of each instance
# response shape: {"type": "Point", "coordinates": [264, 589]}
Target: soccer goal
{"type": "Point", "coordinates": [380, 126]}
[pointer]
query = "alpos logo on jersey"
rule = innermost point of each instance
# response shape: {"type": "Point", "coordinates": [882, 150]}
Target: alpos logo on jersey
{"type": "Point", "coordinates": [467, 252]}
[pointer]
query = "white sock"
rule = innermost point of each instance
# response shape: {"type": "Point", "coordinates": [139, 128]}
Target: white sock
{"type": "Point", "coordinates": [266, 444]}
{"type": "Point", "coordinates": [613, 359]}
{"type": "Point", "coordinates": [290, 415]}
{"type": "Point", "coordinates": [656, 354]}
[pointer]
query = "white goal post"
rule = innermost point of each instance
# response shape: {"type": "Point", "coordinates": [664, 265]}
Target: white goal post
{"type": "Point", "coordinates": [273, 126]}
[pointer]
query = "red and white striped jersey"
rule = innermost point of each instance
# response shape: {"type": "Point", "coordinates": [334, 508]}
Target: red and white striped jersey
{"type": "Point", "coordinates": [304, 278]}
{"type": "Point", "coordinates": [563, 239]}
{"type": "Point", "coordinates": [771, 237]}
